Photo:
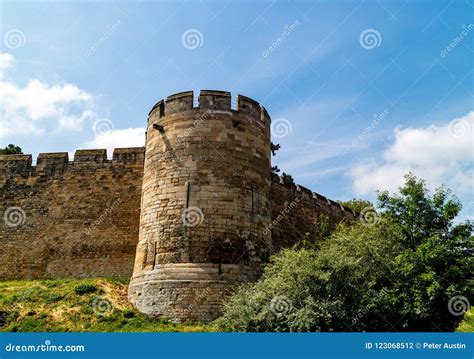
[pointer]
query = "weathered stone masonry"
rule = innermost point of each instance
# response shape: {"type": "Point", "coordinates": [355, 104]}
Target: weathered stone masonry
{"type": "Point", "coordinates": [70, 219]}
{"type": "Point", "coordinates": [194, 217]}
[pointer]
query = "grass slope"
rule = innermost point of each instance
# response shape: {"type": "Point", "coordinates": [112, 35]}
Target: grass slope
{"type": "Point", "coordinates": [69, 305]}
{"type": "Point", "coordinates": [89, 305]}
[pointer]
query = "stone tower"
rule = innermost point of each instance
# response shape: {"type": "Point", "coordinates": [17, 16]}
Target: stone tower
{"type": "Point", "coordinates": [205, 204]}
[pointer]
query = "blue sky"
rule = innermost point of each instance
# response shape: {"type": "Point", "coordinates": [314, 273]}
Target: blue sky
{"type": "Point", "coordinates": [364, 91]}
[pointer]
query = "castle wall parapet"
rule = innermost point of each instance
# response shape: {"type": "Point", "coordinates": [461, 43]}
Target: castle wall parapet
{"type": "Point", "coordinates": [57, 163]}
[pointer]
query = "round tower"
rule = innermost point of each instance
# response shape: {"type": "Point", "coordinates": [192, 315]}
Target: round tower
{"type": "Point", "coordinates": [205, 204]}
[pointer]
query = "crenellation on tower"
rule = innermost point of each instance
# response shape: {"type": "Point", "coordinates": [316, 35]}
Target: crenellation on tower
{"type": "Point", "coordinates": [160, 107]}
{"type": "Point", "coordinates": [248, 106]}
{"type": "Point", "coordinates": [209, 101]}
{"type": "Point", "coordinates": [215, 100]}
{"type": "Point", "coordinates": [264, 116]}
{"type": "Point", "coordinates": [180, 102]}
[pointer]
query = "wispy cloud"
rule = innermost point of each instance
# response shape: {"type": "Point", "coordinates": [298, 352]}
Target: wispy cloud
{"type": "Point", "coordinates": [439, 154]}
{"type": "Point", "coordinates": [39, 106]}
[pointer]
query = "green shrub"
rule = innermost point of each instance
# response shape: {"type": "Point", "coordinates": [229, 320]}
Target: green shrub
{"type": "Point", "coordinates": [396, 271]}
{"type": "Point", "coordinates": [53, 297]}
{"type": "Point", "coordinates": [128, 313]}
{"type": "Point", "coordinates": [310, 290]}
{"type": "Point", "coordinates": [85, 288]}
{"type": "Point", "coordinates": [49, 283]}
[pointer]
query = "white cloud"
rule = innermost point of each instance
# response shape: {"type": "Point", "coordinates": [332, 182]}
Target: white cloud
{"type": "Point", "coordinates": [130, 137]}
{"type": "Point", "coordinates": [57, 109]}
{"type": "Point", "coordinates": [38, 106]}
{"type": "Point", "coordinates": [6, 62]}
{"type": "Point", "coordinates": [439, 154]}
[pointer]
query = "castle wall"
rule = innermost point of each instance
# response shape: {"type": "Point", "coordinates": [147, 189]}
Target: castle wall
{"type": "Point", "coordinates": [81, 218]}
{"type": "Point", "coordinates": [70, 219]}
{"type": "Point", "coordinates": [296, 210]}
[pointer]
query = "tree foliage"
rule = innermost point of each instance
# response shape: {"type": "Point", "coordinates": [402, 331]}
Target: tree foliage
{"type": "Point", "coordinates": [357, 204]}
{"type": "Point", "coordinates": [10, 150]}
{"type": "Point", "coordinates": [398, 273]}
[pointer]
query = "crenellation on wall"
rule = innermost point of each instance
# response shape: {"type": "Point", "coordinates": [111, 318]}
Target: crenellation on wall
{"type": "Point", "coordinates": [51, 163]}
{"type": "Point", "coordinates": [96, 156]}
{"type": "Point", "coordinates": [129, 155]}
{"type": "Point", "coordinates": [57, 163]}
{"type": "Point", "coordinates": [15, 165]}
{"type": "Point", "coordinates": [291, 226]}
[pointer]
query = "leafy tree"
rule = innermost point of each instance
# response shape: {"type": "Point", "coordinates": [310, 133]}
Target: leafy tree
{"type": "Point", "coordinates": [419, 215]}
{"type": "Point", "coordinates": [357, 204]}
{"type": "Point", "coordinates": [10, 150]}
{"type": "Point", "coordinates": [384, 275]}
{"type": "Point", "coordinates": [436, 260]}
{"type": "Point", "coordinates": [322, 229]}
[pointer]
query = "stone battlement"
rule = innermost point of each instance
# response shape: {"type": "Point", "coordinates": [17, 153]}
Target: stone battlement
{"type": "Point", "coordinates": [210, 100]}
{"type": "Point", "coordinates": [58, 162]}
{"type": "Point", "coordinates": [314, 196]}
